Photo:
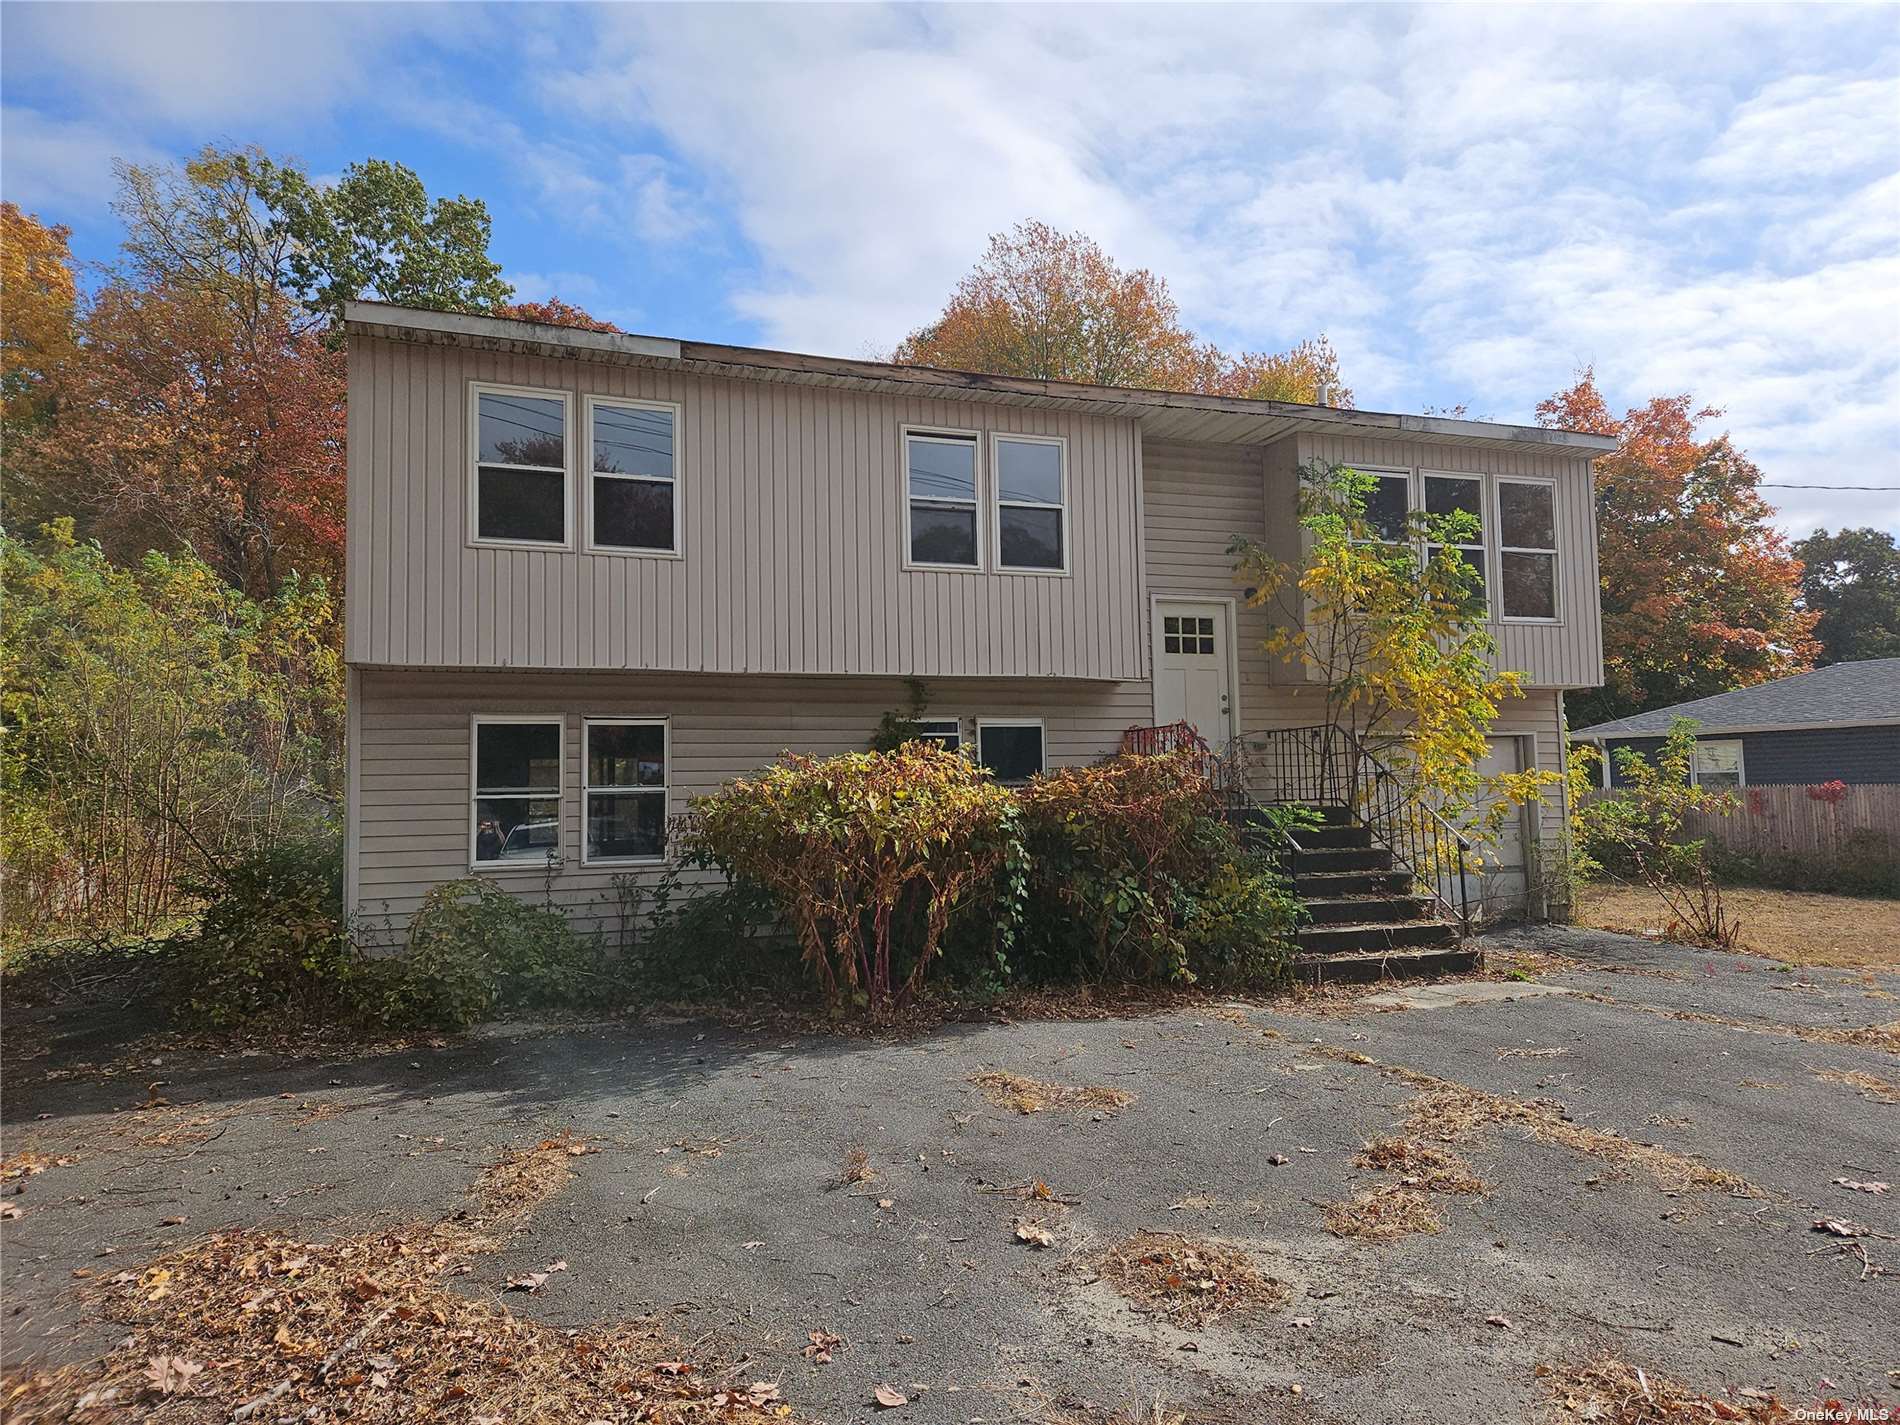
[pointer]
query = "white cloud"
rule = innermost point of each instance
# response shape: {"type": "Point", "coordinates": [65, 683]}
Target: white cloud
{"type": "Point", "coordinates": [57, 166]}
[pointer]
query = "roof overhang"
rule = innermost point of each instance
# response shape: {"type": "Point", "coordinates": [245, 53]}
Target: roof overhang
{"type": "Point", "coordinates": [1164, 415]}
{"type": "Point", "coordinates": [1624, 734]}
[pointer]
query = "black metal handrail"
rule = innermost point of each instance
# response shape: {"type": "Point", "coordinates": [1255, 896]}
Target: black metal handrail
{"type": "Point", "coordinates": [1328, 765]}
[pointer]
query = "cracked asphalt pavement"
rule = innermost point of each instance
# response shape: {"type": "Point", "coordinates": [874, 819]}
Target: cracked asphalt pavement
{"type": "Point", "coordinates": [717, 1201]}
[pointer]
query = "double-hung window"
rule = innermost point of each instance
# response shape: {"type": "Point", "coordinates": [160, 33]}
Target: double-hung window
{"type": "Point", "coordinates": [946, 732]}
{"type": "Point", "coordinates": [515, 806]}
{"type": "Point", "coordinates": [1718, 763]}
{"type": "Point", "coordinates": [1388, 505]}
{"type": "Point", "coordinates": [1012, 748]}
{"type": "Point", "coordinates": [940, 476]}
{"type": "Point", "coordinates": [625, 790]}
{"type": "Point", "coordinates": [1460, 494]}
{"type": "Point", "coordinates": [1527, 548]}
{"type": "Point", "coordinates": [1030, 504]}
{"type": "Point", "coordinates": [633, 476]}
{"type": "Point", "coordinates": [520, 470]}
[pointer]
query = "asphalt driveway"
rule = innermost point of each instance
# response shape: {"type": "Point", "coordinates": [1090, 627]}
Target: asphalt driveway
{"type": "Point", "coordinates": [718, 1198]}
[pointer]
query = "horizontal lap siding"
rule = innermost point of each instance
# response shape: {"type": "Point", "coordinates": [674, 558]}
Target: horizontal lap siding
{"type": "Point", "coordinates": [791, 518]}
{"type": "Point", "coordinates": [1567, 654]}
{"type": "Point", "coordinates": [412, 808]}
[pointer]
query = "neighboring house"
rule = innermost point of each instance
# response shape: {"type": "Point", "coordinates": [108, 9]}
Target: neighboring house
{"type": "Point", "coordinates": [1839, 723]}
{"type": "Point", "coordinates": [593, 575]}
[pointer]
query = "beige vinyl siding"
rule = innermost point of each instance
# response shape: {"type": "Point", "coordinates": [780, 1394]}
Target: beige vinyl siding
{"type": "Point", "coordinates": [411, 812]}
{"type": "Point", "coordinates": [1565, 654]}
{"type": "Point", "coordinates": [792, 545]}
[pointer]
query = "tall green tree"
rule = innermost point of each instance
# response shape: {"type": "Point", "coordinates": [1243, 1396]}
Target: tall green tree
{"type": "Point", "coordinates": [1852, 580]}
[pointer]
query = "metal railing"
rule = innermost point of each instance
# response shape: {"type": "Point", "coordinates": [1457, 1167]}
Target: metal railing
{"type": "Point", "coordinates": [1327, 765]}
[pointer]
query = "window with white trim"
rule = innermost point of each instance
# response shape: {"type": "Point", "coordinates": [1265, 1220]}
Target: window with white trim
{"type": "Point", "coordinates": [633, 476]}
{"type": "Point", "coordinates": [1527, 549]}
{"type": "Point", "coordinates": [1718, 763]}
{"type": "Point", "coordinates": [1030, 500]}
{"type": "Point", "coordinates": [946, 732]}
{"type": "Point", "coordinates": [520, 469]}
{"type": "Point", "coordinates": [515, 800]}
{"type": "Point", "coordinates": [624, 789]}
{"type": "Point", "coordinates": [1459, 494]}
{"type": "Point", "coordinates": [1012, 748]}
{"type": "Point", "coordinates": [941, 499]}
{"type": "Point", "coordinates": [1388, 504]}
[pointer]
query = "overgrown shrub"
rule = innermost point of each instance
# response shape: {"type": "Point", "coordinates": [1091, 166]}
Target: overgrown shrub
{"type": "Point", "coordinates": [868, 856]}
{"type": "Point", "coordinates": [1132, 876]}
{"type": "Point", "coordinates": [685, 939]}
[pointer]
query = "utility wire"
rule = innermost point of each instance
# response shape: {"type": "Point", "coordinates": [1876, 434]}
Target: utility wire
{"type": "Point", "coordinates": [1782, 485]}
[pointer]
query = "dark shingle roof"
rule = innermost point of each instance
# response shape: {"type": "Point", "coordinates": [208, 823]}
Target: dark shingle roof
{"type": "Point", "coordinates": [1845, 694]}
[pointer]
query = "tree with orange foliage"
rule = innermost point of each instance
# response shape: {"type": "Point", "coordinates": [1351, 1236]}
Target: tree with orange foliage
{"type": "Point", "coordinates": [555, 313]}
{"type": "Point", "coordinates": [36, 320]}
{"type": "Point", "coordinates": [1699, 589]}
{"type": "Point", "coordinates": [1055, 306]}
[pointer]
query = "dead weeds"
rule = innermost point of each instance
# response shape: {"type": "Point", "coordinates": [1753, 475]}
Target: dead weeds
{"type": "Point", "coordinates": [1381, 1214]}
{"type": "Point", "coordinates": [1421, 1165]}
{"type": "Point", "coordinates": [1027, 1095]}
{"type": "Point", "coordinates": [1872, 1087]}
{"type": "Point", "coordinates": [1189, 1281]}
{"type": "Point", "coordinates": [251, 1325]}
{"type": "Point", "coordinates": [1614, 1392]}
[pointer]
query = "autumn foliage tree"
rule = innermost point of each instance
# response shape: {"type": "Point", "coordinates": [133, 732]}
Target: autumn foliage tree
{"type": "Point", "coordinates": [1699, 590]}
{"type": "Point", "coordinates": [1053, 305]}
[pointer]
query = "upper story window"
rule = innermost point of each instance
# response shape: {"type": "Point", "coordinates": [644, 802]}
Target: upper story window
{"type": "Point", "coordinates": [1030, 513]}
{"type": "Point", "coordinates": [941, 505]}
{"type": "Point", "coordinates": [516, 797]}
{"type": "Point", "coordinates": [1388, 503]}
{"type": "Point", "coordinates": [1527, 548]}
{"type": "Point", "coordinates": [633, 476]}
{"type": "Point", "coordinates": [1460, 494]}
{"type": "Point", "coordinates": [520, 470]}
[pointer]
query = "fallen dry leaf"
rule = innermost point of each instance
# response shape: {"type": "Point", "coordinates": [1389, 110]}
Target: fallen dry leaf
{"type": "Point", "coordinates": [822, 1343]}
{"type": "Point", "coordinates": [1839, 1227]}
{"type": "Point", "coordinates": [1875, 1188]}
{"type": "Point", "coordinates": [890, 1397]}
{"type": "Point", "coordinates": [170, 1374]}
{"type": "Point", "coordinates": [1035, 1234]}
{"type": "Point", "coordinates": [1502, 1321]}
{"type": "Point", "coordinates": [527, 1281]}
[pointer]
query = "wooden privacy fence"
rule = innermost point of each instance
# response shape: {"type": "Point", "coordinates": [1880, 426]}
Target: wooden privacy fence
{"type": "Point", "coordinates": [1807, 821]}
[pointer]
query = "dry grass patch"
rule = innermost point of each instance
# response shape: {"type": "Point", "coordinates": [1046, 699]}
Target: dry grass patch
{"type": "Point", "coordinates": [1800, 927]}
{"type": "Point", "coordinates": [1027, 1095]}
{"type": "Point", "coordinates": [257, 1325]}
{"type": "Point", "coordinates": [1872, 1087]}
{"type": "Point", "coordinates": [1382, 1214]}
{"type": "Point", "coordinates": [1421, 1165]}
{"type": "Point", "coordinates": [1614, 1392]}
{"type": "Point", "coordinates": [1188, 1280]}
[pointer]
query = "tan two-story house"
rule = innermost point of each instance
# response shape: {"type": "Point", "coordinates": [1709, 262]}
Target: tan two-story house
{"type": "Point", "coordinates": [593, 575]}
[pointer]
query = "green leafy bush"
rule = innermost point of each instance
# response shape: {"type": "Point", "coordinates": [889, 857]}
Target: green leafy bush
{"type": "Point", "coordinates": [868, 856]}
{"type": "Point", "coordinates": [1133, 876]}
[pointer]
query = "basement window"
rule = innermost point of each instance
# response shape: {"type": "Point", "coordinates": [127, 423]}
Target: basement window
{"type": "Point", "coordinates": [1011, 748]}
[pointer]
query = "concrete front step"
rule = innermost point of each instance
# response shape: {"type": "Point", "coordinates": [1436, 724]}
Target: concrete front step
{"type": "Point", "coordinates": [1332, 836]}
{"type": "Point", "coordinates": [1365, 909]}
{"type": "Point", "coordinates": [1332, 885]}
{"type": "Point", "coordinates": [1366, 968]}
{"type": "Point", "coordinates": [1351, 938]}
{"type": "Point", "coordinates": [1343, 858]}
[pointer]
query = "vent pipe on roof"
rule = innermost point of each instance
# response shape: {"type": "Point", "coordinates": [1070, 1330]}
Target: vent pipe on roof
{"type": "Point", "coordinates": [1325, 393]}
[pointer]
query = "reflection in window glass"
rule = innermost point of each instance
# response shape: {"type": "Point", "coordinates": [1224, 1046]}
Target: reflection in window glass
{"type": "Point", "coordinates": [1012, 750]}
{"type": "Point", "coordinates": [516, 797]}
{"type": "Point", "coordinates": [625, 790]}
{"type": "Point", "coordinates": [1527, 525]}
{"type": "Point", "coordinates": [634, 477]}
{"type": "Point", "coordinates": [1387, 504]}
{"type": "Point", "coordinates": [521, 467]}
{"type": "Point", "coordinates": [1527, 515]}
{"type": "Point", "coordinates": [940, 481]}
{"type": "Point", "coordinates": [1530, 584]}
{"type": "Point", "coordinates": [1029, 515]}
{"type": "Point", "coordinates": [633, 514]}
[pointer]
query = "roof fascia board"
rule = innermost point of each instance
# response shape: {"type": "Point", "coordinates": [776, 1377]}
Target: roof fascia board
{"type": "Point", "coordinates": [1705, 729]}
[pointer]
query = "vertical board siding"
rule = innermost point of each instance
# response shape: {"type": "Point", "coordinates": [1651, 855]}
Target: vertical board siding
{"type": "Point", "coordinates": [1565, 654]}
{"type": "Point", "coordinates": [792, 517]}
{"type": "Point", "coordinates": [410, 809]}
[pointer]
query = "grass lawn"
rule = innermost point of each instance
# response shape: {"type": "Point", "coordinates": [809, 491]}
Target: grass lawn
{"type": "Point", "coordinates": [1801, 927]}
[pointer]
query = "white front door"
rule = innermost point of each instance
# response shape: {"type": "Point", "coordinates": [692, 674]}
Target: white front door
{"type": "Point", "coordinates": [1505, 881]}
{"type": "Point", "coordinates": [1193, 681]}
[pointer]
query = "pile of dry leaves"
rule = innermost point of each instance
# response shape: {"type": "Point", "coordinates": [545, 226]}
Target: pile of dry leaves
{"type": "Point", "coordinates": [1614, 1392]}
{"type": "Point", "coordinates": [1026, 1095]}
{"type": "Point", "coordinates": [251, 1326]}
{"type": "Point", "coordinates": [1189, 1281]}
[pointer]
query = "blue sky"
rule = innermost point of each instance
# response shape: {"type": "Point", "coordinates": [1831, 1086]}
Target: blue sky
{"type": "Point", "coordinates": [1471, 201]}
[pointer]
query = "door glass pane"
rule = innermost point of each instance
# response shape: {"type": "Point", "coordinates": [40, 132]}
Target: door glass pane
{"type": "Point", "coordinates": [943, 534]}
{"type": "Point", "coordinates": [942, 470]}
{"type": "Point", "coordinates": [623, 755]}
{"type": "Point", "coordinates": [517, 756]}
{"type": "Point", "coordinates": [1530, 585]}
{"type": "Point", "coordinates": [1527, 515]}
{"type": "Point", "coordinates": [633, 514]}
{"type": "Point", "coordinates": [522, 430]}
{"type": "Point", "coordinates": [521, 504]}
{"type": "Point", "coordinates": [517, 828]}
{"type": "Point", "coordinates": [1031, 538]}
{"type": "Point", "coordinates": [1029, 470]}
{"type": "Point", "coordinates": [625, 824]}
{"type": "Point", "coordinates": [629, 441]}
{"type": "Point", "coordinates": [1014, 754]}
